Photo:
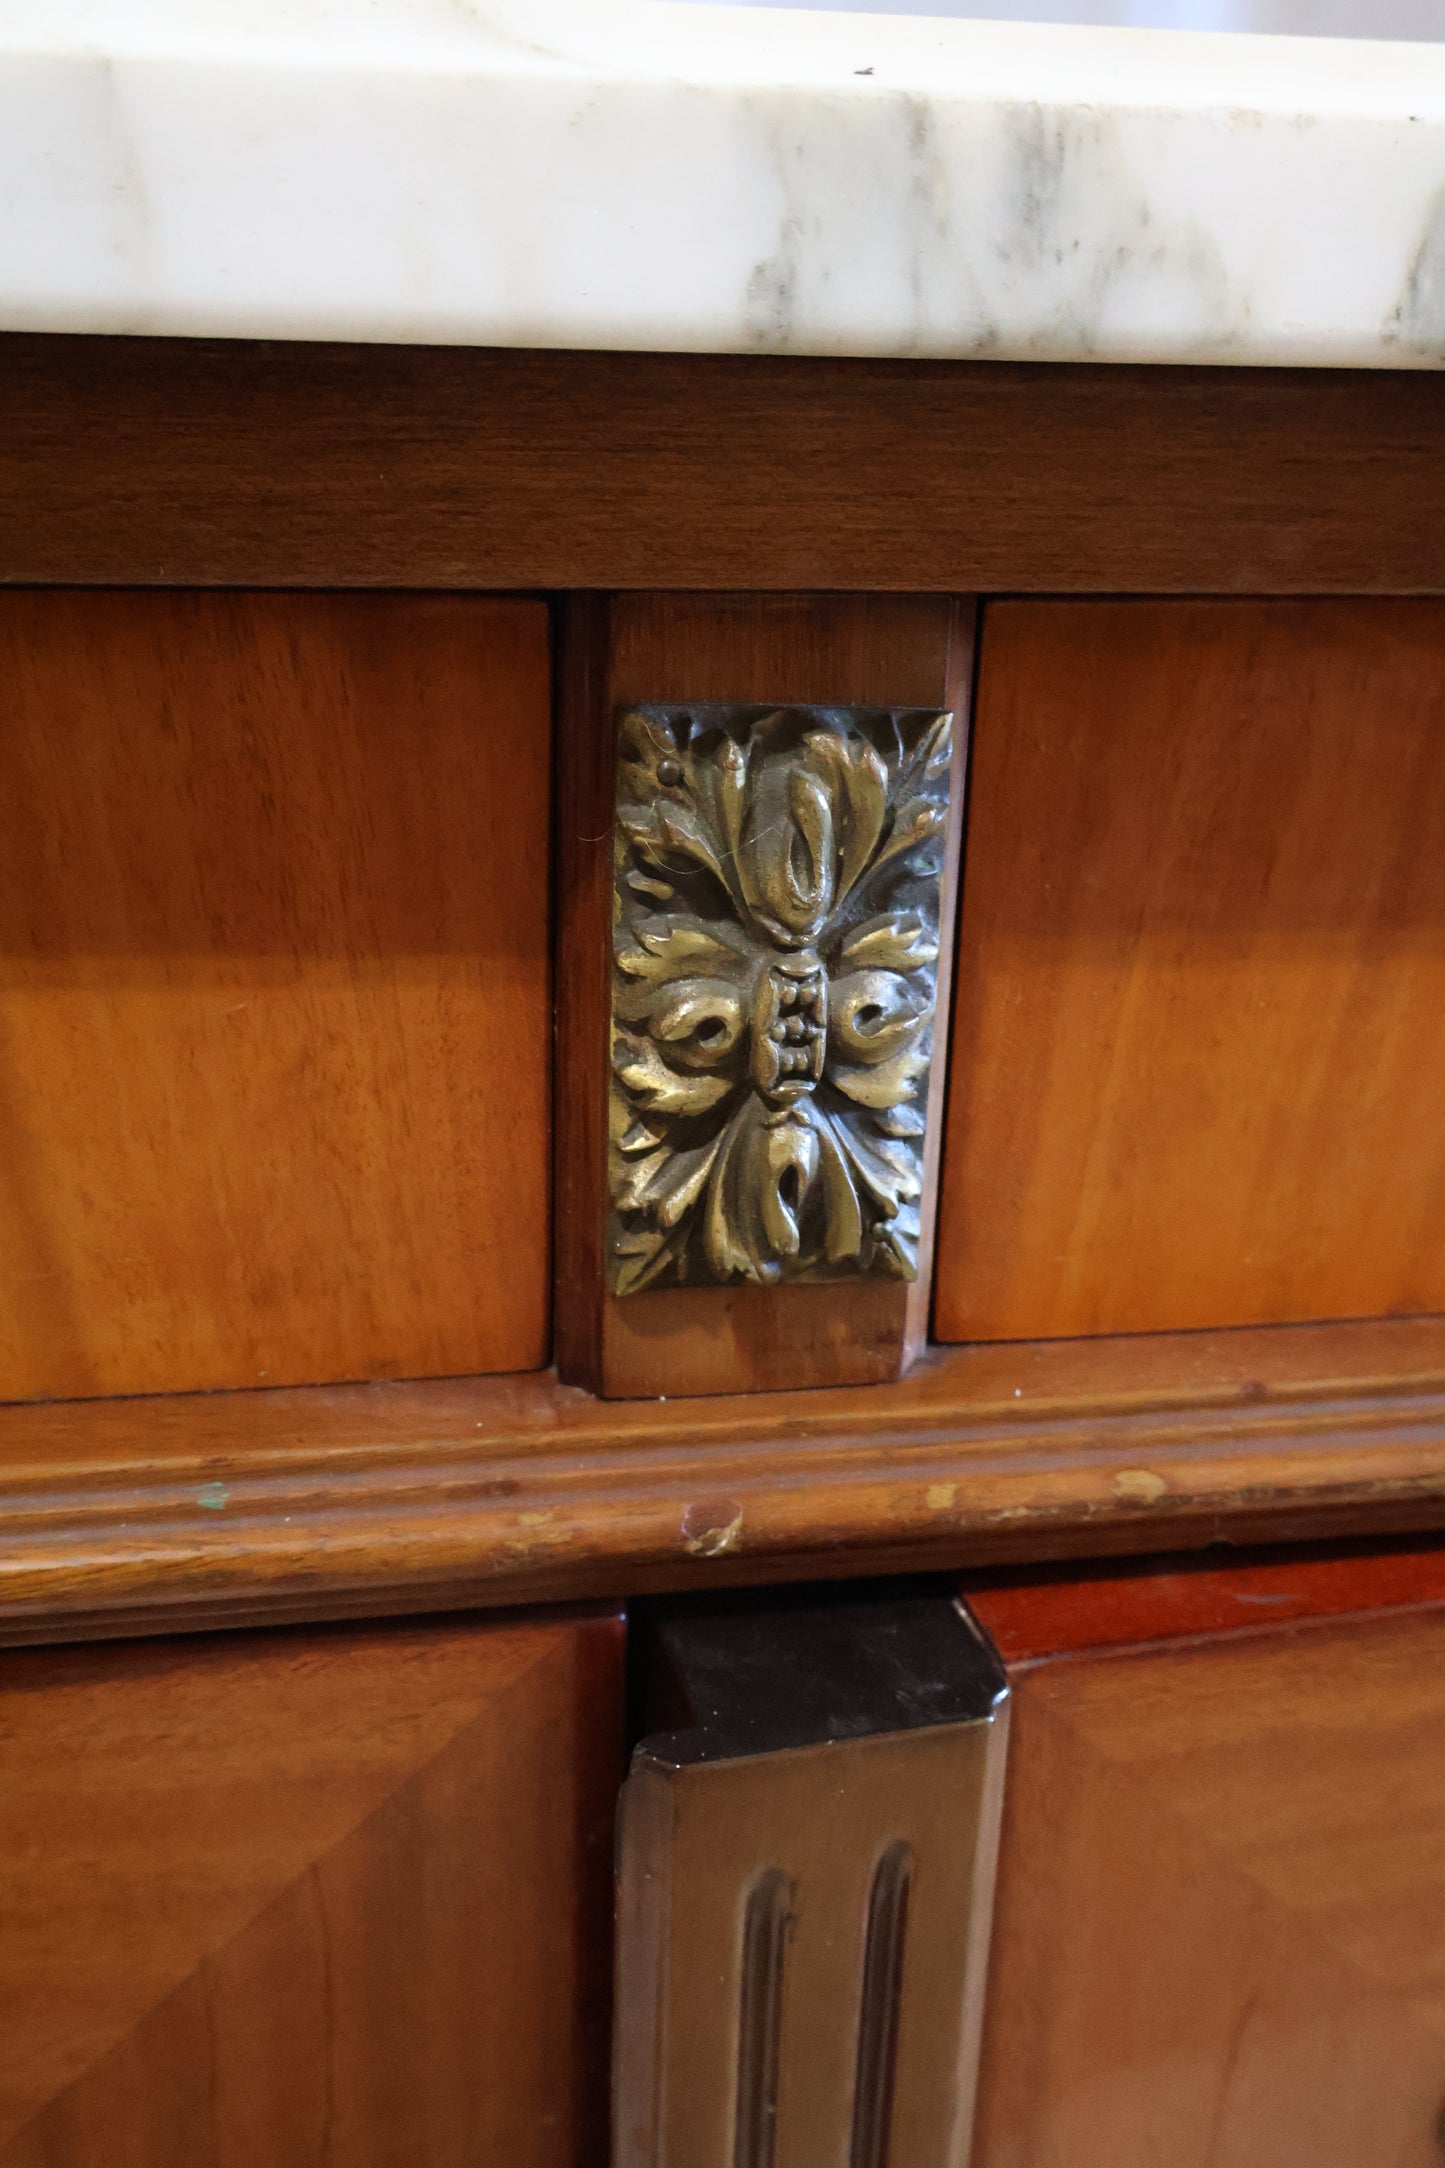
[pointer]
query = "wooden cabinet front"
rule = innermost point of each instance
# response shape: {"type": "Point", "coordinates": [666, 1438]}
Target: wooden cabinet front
{"type": "Point", "coordinates": [1221, 1892]}
{"type": "Point", "coordinates": [341, 1895]}
{"type": "Point", "coordinates": [278, 989]}
{"type": "Point", "coordinates": [1200, 1017]}
{"type": "Point", "coordinates": [274, 995]}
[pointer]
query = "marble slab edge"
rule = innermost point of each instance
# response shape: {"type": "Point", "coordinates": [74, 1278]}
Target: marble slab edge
{"type": "Point", "coordinates": [638, 175]}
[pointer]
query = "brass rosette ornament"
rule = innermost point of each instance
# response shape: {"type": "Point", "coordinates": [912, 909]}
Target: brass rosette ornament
{"type": "Point", "coordinates": [775, 960]}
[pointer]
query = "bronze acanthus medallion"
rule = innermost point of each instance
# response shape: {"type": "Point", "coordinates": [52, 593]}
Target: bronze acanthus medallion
{"type": "Point", "coordinates": [775, 956]}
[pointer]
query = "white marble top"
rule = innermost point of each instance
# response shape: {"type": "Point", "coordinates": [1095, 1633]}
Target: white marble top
{"type": "Point", "coordinates": [642, 174]}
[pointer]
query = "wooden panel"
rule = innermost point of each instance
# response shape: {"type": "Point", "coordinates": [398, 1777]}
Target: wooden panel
{"type": "Point", "coordinates": [126, 1516]}
{"type": "Point", "coordinates": [1060, 1611]}
{"type": "Point", "coordinates": [1221, 1900]}
{"type": "Point", "coordinates": [273, 989]}
{"type": "Point", "coordinates": [1200, 1018]}
{"type": "Point", "coordinates": [193, 461]}
{"type": "Point", "coordinates": [338, 1896]}
{"type": "Point", "coordinates": [894, 651]}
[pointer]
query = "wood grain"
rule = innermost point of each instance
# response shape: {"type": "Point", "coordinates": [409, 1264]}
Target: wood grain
{"type": "Point", "coordinates": [1058, 1611]}
{"type": "Point", "coordinates": [282, 1898]}
{"type": "Point", "coordinates": [139, 1515]}
{"type": "Point", "coordinates": [1201, 1005]}
{"type": "Point", "coordinates": [221, 462]}
{"type": "Point", "coordinates": [887, 650]}
{"type": "Point", "coordinates": [274, 1001]}
{"type": "Point", "coordinates": [1221, 1899]}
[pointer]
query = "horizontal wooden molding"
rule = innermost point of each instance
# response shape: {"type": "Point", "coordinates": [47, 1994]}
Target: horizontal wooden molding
{"type": "Point", "coordinates": [136, 1516]}
{"type": "Point", "coordinates": [233, 462]}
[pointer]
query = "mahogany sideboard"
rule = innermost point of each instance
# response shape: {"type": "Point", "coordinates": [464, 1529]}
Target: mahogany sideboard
{"type": "Point", "coordinates": [626, 980]}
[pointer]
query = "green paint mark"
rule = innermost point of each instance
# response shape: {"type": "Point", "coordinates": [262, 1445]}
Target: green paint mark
{"type": "Point", "coordinates": [214, 1497]}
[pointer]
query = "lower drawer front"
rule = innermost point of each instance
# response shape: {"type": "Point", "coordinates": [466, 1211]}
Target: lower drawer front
{"type": "Point", "coordinates": [346, 1894]}
{"type": "Point", "coordinates": [341, 1896]}
{"type": "Point", "coordinates": [1221, 1883]}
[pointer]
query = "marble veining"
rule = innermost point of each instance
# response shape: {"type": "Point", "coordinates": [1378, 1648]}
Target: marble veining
{"type": "Point", "coordinates": [637, 174]}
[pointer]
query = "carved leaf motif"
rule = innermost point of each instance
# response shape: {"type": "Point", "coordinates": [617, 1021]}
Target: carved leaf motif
{"type": "Point", "coordinates": [897, 942]}
{"type": "Point", "coordinates": [645, 744]}
{"type": "Point", "coordinates": [666, 833]}
{"type": "Point", "coordinates": [802, 863]}
{"type": "Point", "coordinates": [888, 1172]}
{"type": "Point", "coordinates": [634, 1193]}
{"type": "Point", "coordinates": [895, 1245]}
{"type": "Point", "coordinates": [915, 824]}
{"type": "Point", "coordinates": [901, 1121]}
{"type": "Point", "coordinates": [660, 1089]}
{"type": "Point", "coordinates": [700, 1023]}
{"type": "Point", "coordinates": [884, 1084]}
{"type": "Point", "coordinates": [843, 1214]}
{"type": "Point", "coordinates": [668, 1184]}
{"type": "Point", "coordinates": [773, 1021]}
{"type": "Point", "coordinates": [876, 1015]}
{"type": "Point", "coordinates": [640, 1257]}
{"type": "Point", "coordinates": [638, 1137]}
{"type": "Point", "coordinates": [858, 786]}
{"type": "Point", "coordinates": [932, 756]}
{"type": "Point", "coordinates": [670, 948]}
{"type": "Point", "coordinates": [764, 1169]}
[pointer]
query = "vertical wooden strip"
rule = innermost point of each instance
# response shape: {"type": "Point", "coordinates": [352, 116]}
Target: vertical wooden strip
{"type": "Point", "coordinates": [582, 876]}
{"type": "Point", "coordinates": [886, 651]}
{"type": "Point", "coordinates": [958, 696]}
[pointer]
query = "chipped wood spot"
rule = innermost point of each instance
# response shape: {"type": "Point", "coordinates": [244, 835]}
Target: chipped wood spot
{"type": "Point", "coordinates": [711, 1527]}
{"type": "Point", "coordinates": [1141, 1483]}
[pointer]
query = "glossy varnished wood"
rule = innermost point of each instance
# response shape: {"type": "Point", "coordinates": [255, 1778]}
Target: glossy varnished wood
{"type": "Point", "coordinates": [890, 650]}
{"type": "Point", "coordinates": [1033, 1614]}
{"type": "Point", "coordinates": [1200, 1018]}
{"type": "Point", "coordinates": [1221, 1892]}
{"type": "Point", "coordinates": [123, 1515]}
{"type": "Point", "coordinates": [218, 462]}
{"type": "Point", "coordinates": [333, 1895]}
{"type": "Point", "coordinates": [273, 989]}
